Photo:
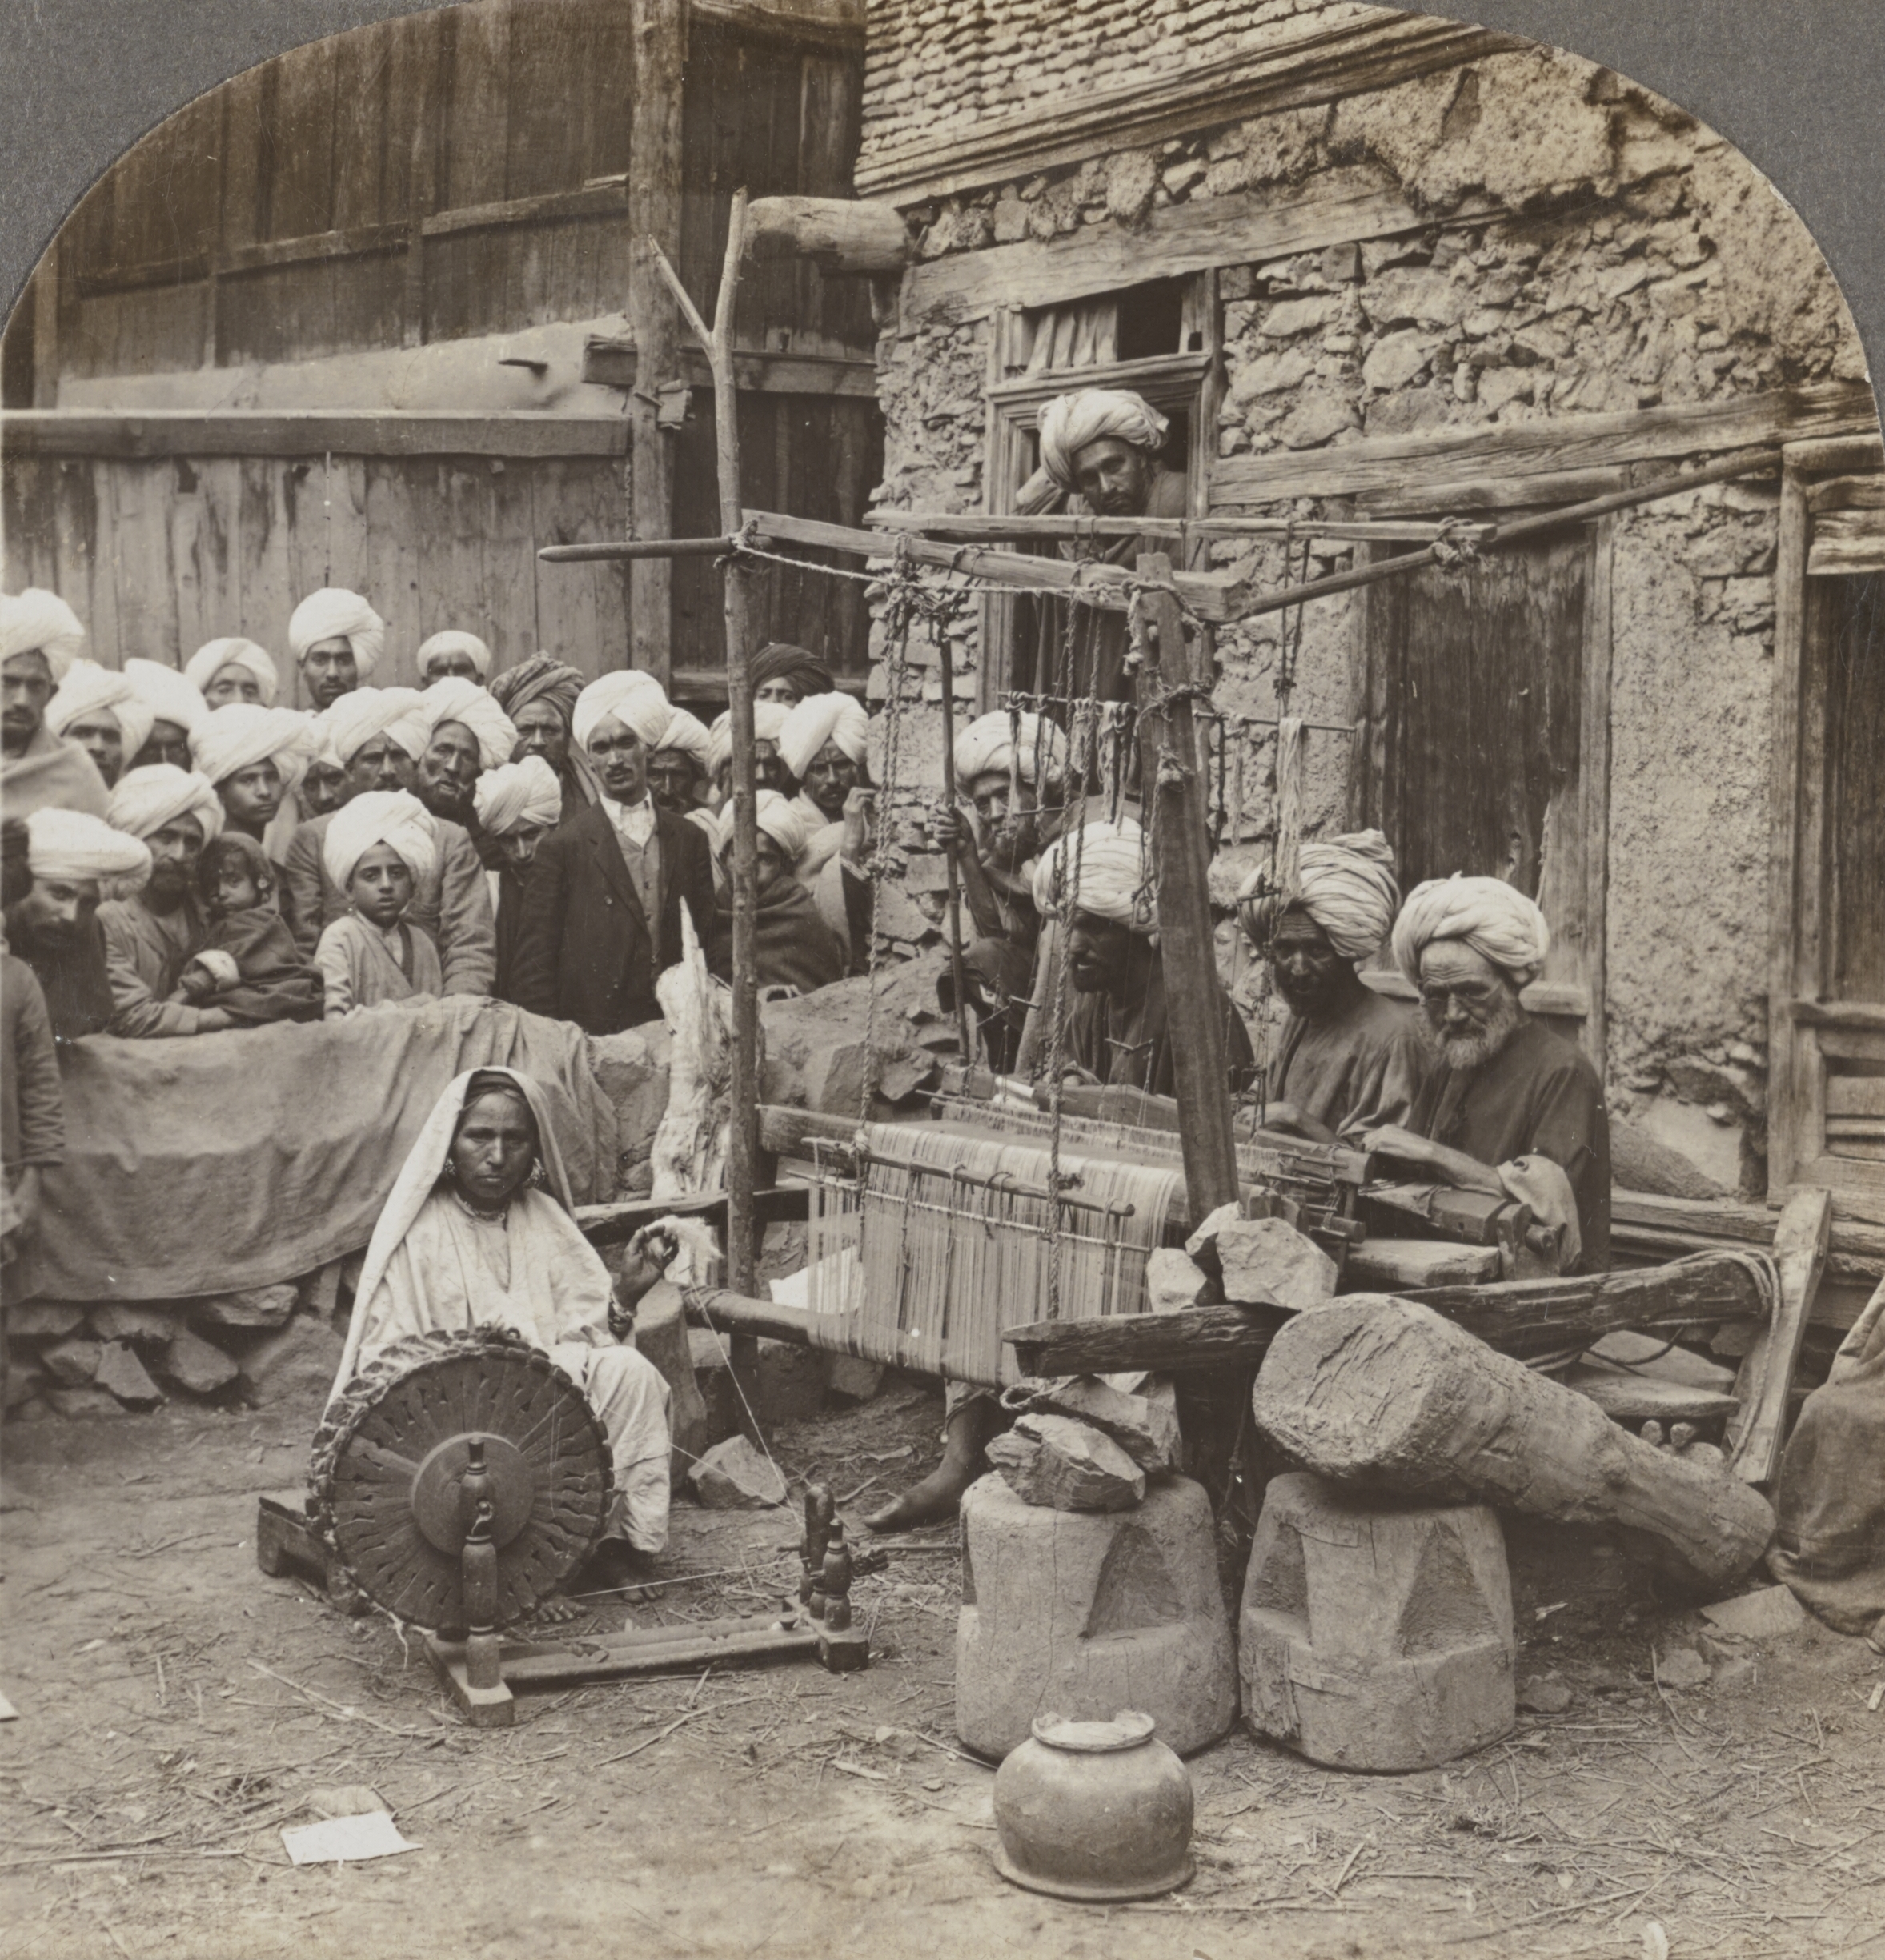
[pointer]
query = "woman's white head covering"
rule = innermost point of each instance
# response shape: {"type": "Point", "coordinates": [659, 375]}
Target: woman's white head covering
{"type": "Point", "coordinates": [1103, 869]}
{"type": "Point", "coordinates": [393, 817]}
{"type": "Point", "coordinates": [89, 689]}
{"type": "Point", "coordinates": [1069, 421]}
{"type": "Point", "coordinates": [1346, 884]}
{"type": "Point", "coordinates": [1498, 922]}
{"type": "Point", "coordinates": [209, 659]}
{"type": "Point", "coordinates": [167, 694]}
{"type": "Point", "coordinates": [455, 642]}
{"type": "Point", "coordinates": [72, 847]}
{"type": "Point", "coordinates": [456, 698]}
{"type": "Point", "coordinates": [819, 719]}
{"type": "Point", "coordinates": [148, 798]}
{"type": "Point", "coordinates": [987, 747]}
{"type": "Point", "coordinates": [520, 796]}
{"type": "Point", "coordinates": [244, 733]}
{"type": "Point", "coordinates": [768, 719]}
{"type": "Point", "coordinates": [37, 621]}
{"type": "Point", "coordinates": [356, 718]}
{"type": "Point", "coordinates": [634, 698]}
{"type": "Point", "coordinates": [419, 1178]}
{"type": "Point", "coordinates": [333, 613]}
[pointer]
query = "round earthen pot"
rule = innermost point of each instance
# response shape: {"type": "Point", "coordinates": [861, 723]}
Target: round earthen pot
{"type": "Point", "coordinates": [1094, 1810]}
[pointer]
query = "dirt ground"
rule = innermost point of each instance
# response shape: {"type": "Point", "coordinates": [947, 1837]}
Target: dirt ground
{"type": "Point", "coordinates": [176, 1708]}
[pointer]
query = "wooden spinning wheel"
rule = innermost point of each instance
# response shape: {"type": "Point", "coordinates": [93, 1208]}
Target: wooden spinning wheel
{"type": "Point", "coordinates": [460, 1462]}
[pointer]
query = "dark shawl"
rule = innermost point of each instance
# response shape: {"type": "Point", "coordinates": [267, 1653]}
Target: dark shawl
{"type": "Point", "coordinates": [277, 983]}
{"type": "Point", "coordinates": [794, 945]}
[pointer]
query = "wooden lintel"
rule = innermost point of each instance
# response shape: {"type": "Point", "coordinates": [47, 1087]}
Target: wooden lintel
{"type": "Point", "coordinates": [314, 247]}
{"type": "Point", "coordinates": [615, 364]}
{"type": "Point", "coordinates": [263, 432]}
{"type": "Point", "coordinates": [1810, 455]}
{"type": "Point", "coordinates": [591, 201]}
{"type": "Point", "coordinates": [976, 528]}
{"type": "Point", "coordinates": [776, 20]}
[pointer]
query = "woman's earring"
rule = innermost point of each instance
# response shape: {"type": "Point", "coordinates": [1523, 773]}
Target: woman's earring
{"type": "Point", "coordinates": [536, 1176]}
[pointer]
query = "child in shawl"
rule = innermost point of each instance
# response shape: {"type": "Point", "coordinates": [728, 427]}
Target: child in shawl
{"type": "Point", "coordinates": [248, 965]}
{"type": "Point", "coordinates": [377, 849]}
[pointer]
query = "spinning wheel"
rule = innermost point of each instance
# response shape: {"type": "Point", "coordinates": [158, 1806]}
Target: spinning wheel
{"type": "Point", "coordinates": [459, 1479]}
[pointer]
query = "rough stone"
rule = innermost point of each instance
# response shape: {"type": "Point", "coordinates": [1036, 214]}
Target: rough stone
{"type": "Point", "coordinates": [1500, 386]}
{"type": "Point", "coordinates": [1202, 1244]}
{"type": "Point", "coordinates": [1374, 1635]}
{"type": "Point", "coordinates": [1085, 1613]}
{"type": "Point", "coordinates": [42, 1320]}
{"type": "Point", "coordinates": [345, 1800]}
{"type": "Point", "coordinates": [150, 1327]}
{"type": "Point", "coordinates": [120, 1373]}
{"type": "Point", "coordinates": [1317, 418]}
{"type": "Point", "coordinates": [851, 1378]}
{"type": "Point", "coordinates": [734, 1477]}
{"type": "Point", "coordinates": [1398, 358]}
{"type": "Point", "coordinates": [296, 1361]}
{"type": "Point", "coordinates": [197, 1365]}
{"type": "Point", "coordinates": [1290, 317]}
{"type": "Point", "coordinates": [1268, 373]}
{"type": "Point", "coordinates": [1682, 1667]}
{"type": "Point", "coordinates": [1066, 1466]}
{"type": "Point", "coordinates": [1145, 1426]}
{"type": "Point", "coordinates": [25, 1378]}
{"type": "Point", "coordinates": [1131, 179]}
{"type": "Point", "coordinates": [1545, 1694]}
{"type": "Point", "coordinates": [1174, 1280]}
{"type": "Point", "coordinates": [257, 1306]}
{"type": "Point", "coordinates": [1267, 1262]}
{"type": "Point", "coordinates": [85, 1401]}
{"type": "Point", "coordinates": [73, 1363]}
{"type": "Point", "coordinates": [1416, 293]}
{"type": "Point", "coordinates": [1768, 1614]}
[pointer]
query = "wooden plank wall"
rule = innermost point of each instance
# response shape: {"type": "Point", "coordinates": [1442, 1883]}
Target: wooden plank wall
{"type": "Point", "coordinates": [158, 556]}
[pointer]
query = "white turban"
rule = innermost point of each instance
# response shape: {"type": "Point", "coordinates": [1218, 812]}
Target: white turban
{"type": "Point", "coordinates": [777, 817]}
{"type": "Point", "coordinates": [148, 798]}
{"type": "Point", "coordinates": [518, 796]}
{"type": "Point", "coordinates": [387, 816]}
{"type": "Point", "coordinates": [454, 642]}
{"type": "Point", "coordinates": [456, 699]}
{"type": "Point", "coordinates": [988, 745]}
{"type": "Point", "coordinates": [37, 621]}
{"type": "Point", "coordinates": [688, 733]}
{"type": "Point", "coordinates": [1114, 876]}
{"type": "Point", "coordinates": [89, 689]}
{"type": "Point", "coordinates": [168, 696]}
{"type": "Point", "coordinates": [1346, 885]}
{"type": "Point", "coordinates": [72, 847]}
{"type": "Point", "coordinates": [335, 614]}
{"type": "Point", "coordinates": [321, 727]}
{"type": "Point", "coordinates": [1499, 922]}
{"type": "Point", "coordinates": [244, 733]}
{"type": "Point", "coordinates": [1069, 421]}
{"type": "Point", "coordinates": [819, 719]}
{"type": "Point", "coordinates": [209, 659]}
{"type": "Point", "coordinates": [634, 698]}
{"type": "Point", "coordinates": [768, 720]}
{"type": "Point", "coordinates": [356, 718]}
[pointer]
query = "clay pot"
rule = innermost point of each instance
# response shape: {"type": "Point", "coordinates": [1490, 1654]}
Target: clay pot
{"type": "Point", "coordinates": [1094, 1810]}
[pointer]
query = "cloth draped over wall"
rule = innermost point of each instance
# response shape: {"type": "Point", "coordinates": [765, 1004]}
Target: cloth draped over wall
{"type": "Point", "coordinates": [239, 1160]}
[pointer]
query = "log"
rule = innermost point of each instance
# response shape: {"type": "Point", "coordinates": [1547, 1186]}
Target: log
{"type": "Point", "coordinates": [1383, 1394]}
{"type": "Point", "coordinates": [739, 1313]}
{"type": "Point", "coordinates": [1800, 1241]}
{"type": "Point", "coordinates": [1194, 1337]}
{"type": "Point", "coordinates": [837, 235]}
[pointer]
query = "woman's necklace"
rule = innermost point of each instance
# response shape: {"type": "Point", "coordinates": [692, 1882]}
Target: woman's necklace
{"type": "Point", "coordinates": [473, 1210]}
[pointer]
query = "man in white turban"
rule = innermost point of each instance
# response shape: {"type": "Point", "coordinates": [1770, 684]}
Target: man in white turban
{"type": "Point", "coordinates": [100, 710]}
{"type": "Point", "coordinates": [337, 639]}
{"type": "Point", "coordinates": [1349, 1060]}
{"type": "Point", "coordinates": [1101, 451]}
{"type": "Point", "coordinates": [769, 769]}
{"type": "Point", "coordinates": [40, 637]}
{"type": "Point", "coordinates": [254, 756]}
{"type": "Point", "coordinates": [453, 655]}
{"type": "Point", "coordinates": [54, 928]}
{"type": "Point", "coordinates": [177, 710]}
{"type": "Point", "coordinates": [516, 807]}
{"type": "Point", "coordinates": [677, 762]}
{"type": "Point", "coordinates": [793, 947]}
{"type": "Point", "coordinates": [226, 670]}
{"type": "Point", "coordinates": [823, 742]}
{"type": "Point", "coordinates": [467, 734]}
{"type": "Point", "coordinates": [1509, 1108]}
{"type": "Point", "coordinates": [377, 736]}
{"type": "Point", "coordinates": [602, 909]}
{"type": "Point", "coordinates": [378, 849]}
{"type": "Point", "coordinates": [151, 935]}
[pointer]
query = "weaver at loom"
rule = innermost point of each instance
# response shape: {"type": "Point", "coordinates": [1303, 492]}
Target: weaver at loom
{"type": "Point", "coordinates": [1348, 1059]}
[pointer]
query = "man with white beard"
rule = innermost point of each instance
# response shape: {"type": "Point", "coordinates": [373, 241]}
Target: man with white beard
{"type": "Point", "coordinates": [1511, 1109]}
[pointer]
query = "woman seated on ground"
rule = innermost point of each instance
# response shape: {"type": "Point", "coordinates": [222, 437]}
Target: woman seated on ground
{"type": "Point", "coordinates": [468, 1239]}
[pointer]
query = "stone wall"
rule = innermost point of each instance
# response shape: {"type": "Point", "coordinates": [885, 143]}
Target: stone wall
{"type": "Point", "coordinates": [1591, 249]}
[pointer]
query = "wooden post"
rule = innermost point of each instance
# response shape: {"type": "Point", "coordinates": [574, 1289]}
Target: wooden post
{"type": "Point", "coordinates": [954, 877]}
{"type": "Point", "coordinates": [660, 28]}
{"type": "Point", "coordinates": [1173, 795]}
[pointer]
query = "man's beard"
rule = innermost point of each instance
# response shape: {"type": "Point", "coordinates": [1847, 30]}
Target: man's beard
{"type": "Point", "coordinates": [1465, 1053]}
{"type": "Point", "coordinates": [444, 799]}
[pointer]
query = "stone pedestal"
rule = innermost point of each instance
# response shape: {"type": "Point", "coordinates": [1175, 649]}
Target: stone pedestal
{"type": "Point", "coordinates": [1376, 1635]}
{"type": "Point", "coordinates": [1082, 1614]}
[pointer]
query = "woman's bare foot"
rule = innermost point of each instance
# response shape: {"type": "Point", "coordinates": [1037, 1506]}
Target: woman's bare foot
{"type": "Point", "coordinates": [933, 1502]}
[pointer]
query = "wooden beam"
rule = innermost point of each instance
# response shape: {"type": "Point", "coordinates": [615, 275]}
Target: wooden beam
{"type": "Point", "coordinates": [776, 20]}
{"type": "Point", "coordinates": [1490, 493]}
{"type": "Point", "coordinates": [1642, 1222]}
{"type": "Point", "coordinates": [634, 551]}
{"type": "Point", "coordinates": [1848, 452]}
{"type": "Point", "coordinates": [1181, 238]}
{"type": "Point", "coordinates": [614, 364]}
{"type": "Point", "coordinates": [1800, 1245]}
{"type": "Point", "coordinates": [977, 529]}
{"type": "Point", "coordinates": [842, 235]}
{"type": "Point", "coordinates": [1844, 493]}
{"type": "Point", "coordinates": [1552, 442]}
{"type": "Point", "coordinates": [1847, 542]}
{"type": "Point", "coordinates": [1288, 72]}
{"type": "Point", "coordinates": [314, 432]}
{"type": "Point", "coordinates": [1795, 784]}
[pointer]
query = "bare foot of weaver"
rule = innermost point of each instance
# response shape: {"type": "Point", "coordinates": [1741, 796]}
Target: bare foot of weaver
{"type": "Point", "coordinates": [933, 1502]}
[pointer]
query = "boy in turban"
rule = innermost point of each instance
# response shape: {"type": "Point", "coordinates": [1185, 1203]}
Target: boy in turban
{"type": "Point", "coordinates": [378, 850]}
{"type": "Point", "coordinates": [100, 710]}
{"type": "Point", "coordinates": [1349, 1060]}
{"type": "Point", "coordinates": [1511, 1109]}
{"type": "Point", "coordinates": [54, 928]}
{"type": "Point", "coordinates": [40, 637]}
{"type": "Point", "coordinates": [336, 639]}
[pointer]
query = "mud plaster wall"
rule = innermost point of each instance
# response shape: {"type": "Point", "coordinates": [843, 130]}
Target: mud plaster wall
{"type": "Point", "coordinates": [1592, 249]}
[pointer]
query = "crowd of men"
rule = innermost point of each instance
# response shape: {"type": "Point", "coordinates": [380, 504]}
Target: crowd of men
{"type": "Point", "coordinates": [187, 857]}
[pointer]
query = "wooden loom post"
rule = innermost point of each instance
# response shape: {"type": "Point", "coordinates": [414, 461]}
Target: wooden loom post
{"type": "Point", "coordinates": [1174, 793]}
{"type": "Point", "coordinates": [951, 872]}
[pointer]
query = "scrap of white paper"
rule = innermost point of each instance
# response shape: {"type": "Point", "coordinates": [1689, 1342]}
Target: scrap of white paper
{"type": "Point", "coordinates": [335, 1840]}
{"type": "Point", "coordinates": [8, 1712]}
